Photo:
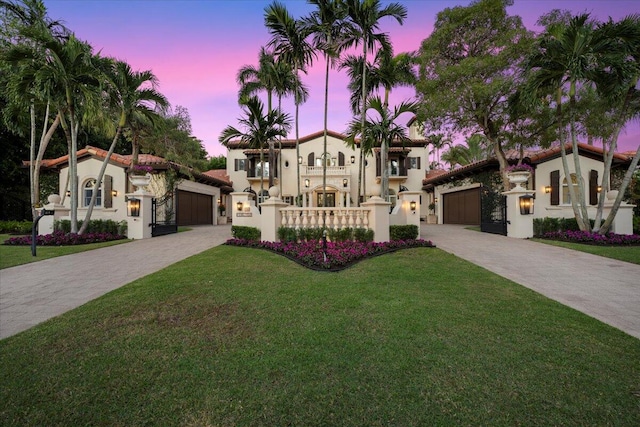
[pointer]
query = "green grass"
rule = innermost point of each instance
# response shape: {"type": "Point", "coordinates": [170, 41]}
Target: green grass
{"type": "Point", "coordinates": [236, 336]}
{"type": "Point", "coordinates": [473, 228]}
{"type": "Point", "coordinates": [11, 256]}
{"type": "Point", "coordinates": [621, 253]}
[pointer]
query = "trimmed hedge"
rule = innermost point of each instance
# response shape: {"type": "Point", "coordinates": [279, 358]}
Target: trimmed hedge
{"type": "Point", "coordinates": [16, 227]}
{"type": "Point", "coordinates": [542, 226]}
{"type": "Point", "coordinates": [289, 234]}
{"type": "Point", "coordinates": [403, 232]}
{"type": "Point", "coordinates": [107, 226]}
{"type": "Point", "coordinates": [245, 233]}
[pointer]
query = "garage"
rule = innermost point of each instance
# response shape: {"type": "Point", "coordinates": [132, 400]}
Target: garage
{"type": "Point", "coordinates": [194, 208]}
{"type": "Point", "coordinates": [462, 207]}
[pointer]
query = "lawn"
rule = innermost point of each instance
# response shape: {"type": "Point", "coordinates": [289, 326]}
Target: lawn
{"type": "Point", "coordinates": [238, 336]}
{"type": "Point", "coordinates": [11, 256]}
{"type": "Point", "coordinates": [621, 253]}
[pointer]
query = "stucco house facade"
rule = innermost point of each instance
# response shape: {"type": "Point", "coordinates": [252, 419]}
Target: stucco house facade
{"type": "Point", "coordinates": [194, 196]}
{"type": "Point", "coordinates": [459, 192]}
{"type": "Point", "coordinates": [407, 163]}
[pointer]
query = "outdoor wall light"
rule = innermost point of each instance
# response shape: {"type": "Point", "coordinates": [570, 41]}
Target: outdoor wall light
{"type": "Point", "coordinates": [599, 188]}
{"type": "Point", "coordinates": [413, 205]}
{"type": "Point", "coordinates": [306, 182]}
{"type": "Point", "coordinates": [526, 204]}
{"type": "Point", "coordinates": [547, 189]}
{"type": "Point", "coordinates": [133, 207]}
{"type": "Point", "coordinates": [345, 182]}
{"type": "Point", "coordinates": [114, 193]}
{"type": "Point", "coordinates": [239, 206]}
{"type": "Point", "coordinates": [299, 160]}
{"type": "Point", "coordinates": [353, 159]}
{"type": "Point", "coordinates": [435, 200]}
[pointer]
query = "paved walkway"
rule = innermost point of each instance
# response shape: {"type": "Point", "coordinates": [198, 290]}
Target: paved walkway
{"type": "Point", "coordinates": [603, 288]}
{"type": "Point", "coordinates": [33, 293]}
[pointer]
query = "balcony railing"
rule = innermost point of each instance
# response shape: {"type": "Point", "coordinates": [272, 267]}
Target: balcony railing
{"type": "Point", "coordinates": [331, 171]}
{"type": "Point", "coordinates": [336, 218]}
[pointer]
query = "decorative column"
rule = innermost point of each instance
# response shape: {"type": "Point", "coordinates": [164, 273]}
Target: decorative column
{"type": "Point", "coordinates": [270, 216]}
{"type": "Point", "coordinates": [139, 208]}
{"type": "Point", "coordinates": [378, 218]}
{"type": "Point", "coordinates": [243, 211]}
{"type": "Point", "coordinates": [46, 223]}
{"type": "Point", "coordinates": [519, 225]}
{"type": "Point", "coordinates": [410, 201]}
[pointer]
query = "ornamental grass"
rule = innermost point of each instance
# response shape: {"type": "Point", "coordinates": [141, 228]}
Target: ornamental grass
{"type": "Point", "coordinates": [335, 256]}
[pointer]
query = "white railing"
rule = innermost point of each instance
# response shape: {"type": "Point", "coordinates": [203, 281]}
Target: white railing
{"type": "Point", "coordinates": [335, 218]}
{"type": "Point", "coordinates": [331, 170]}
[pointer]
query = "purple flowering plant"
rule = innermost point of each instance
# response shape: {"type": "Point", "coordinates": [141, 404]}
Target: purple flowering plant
{"type": "Point", "coordinates": [60, 238]}
{"type": "Point", "coordinates": [339, 255]}
{"type": "Point", "coordinates": [520, 168]}
{"type": "Point", "coordinates": [589, 237]}
{"type": "Point", "coordinates": [141, 169]}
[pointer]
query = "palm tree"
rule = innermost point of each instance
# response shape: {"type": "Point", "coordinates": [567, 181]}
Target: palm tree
{"type": "Point", "coordinates": [462, 155]}
{"type": "Point", "coordinates": [383, 131]}
{"type": "Point", "coordinates": [365, 17]}
{"type": "Point", "coordinates": [387, 71]}
{"type": "Point", "coordinates": [253, 80]}
{"type": "Point", "coordinates": [438, 141]}
{"type": "Point", "coordinates": [331, 35]}
{"type": "Point", "coordinates": [289, 42]}
{"type": "Point", "coordinates": [134, 97]}
{"type": "Point", "coordinates": [567, 57]}
{"type": "Point", "coordinates": [258, 128]}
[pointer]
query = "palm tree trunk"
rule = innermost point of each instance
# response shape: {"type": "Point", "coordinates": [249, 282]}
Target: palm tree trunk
{"type": "Point", "coordinates": [324, 145]}
{"type": "Point", "coordinates": [623, 187]}
{"type": "Point", "coordinates": [297, 101]}
{"type": "Point", "coordinates": [32, 166]}
{"type": "Point", "coordinates": [363, 112]}
{"type": "Point", "coordinates": [583, 222]}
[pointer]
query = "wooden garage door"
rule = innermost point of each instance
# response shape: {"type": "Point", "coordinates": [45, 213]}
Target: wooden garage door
{"type": "Point", "coordinates": [194, 208]}
{"type": "Point", "coordinates": [462, 207]}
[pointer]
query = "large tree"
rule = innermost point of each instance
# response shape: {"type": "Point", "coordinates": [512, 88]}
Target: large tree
{"type": "Point", "coordinates": [365, 15]}
{"type": "Point", "coordinates": [289, 41]}
{"type": "Point", "coordinates": [469, 68]}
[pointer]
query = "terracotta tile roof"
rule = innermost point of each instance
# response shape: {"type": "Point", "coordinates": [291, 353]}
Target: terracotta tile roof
{"type": "Point", "coordinates": [220, 174]}
{"type": "Point", "coordinates": [124, 160]}
{"type": "Point", "coordinates": [532, 157]}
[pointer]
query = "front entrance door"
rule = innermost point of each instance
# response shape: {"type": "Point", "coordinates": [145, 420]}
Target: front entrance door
{"type": "Point", "coordinates": [331, 200]}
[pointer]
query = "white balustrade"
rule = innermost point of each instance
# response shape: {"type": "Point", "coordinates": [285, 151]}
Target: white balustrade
{"type": "Point", "coordinates": [336, 218]}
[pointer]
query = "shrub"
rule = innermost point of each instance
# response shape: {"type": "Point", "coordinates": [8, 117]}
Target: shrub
{"type": "Point", "coordinates": [403, 232]}
{"type": "Point", "coordinates": [541, 226]}
{"type": "Point", "coordinates": [341, 235]}
{"type": "Point", "coordinates": [309, 234]}
{"type": "Point", "coordinates": [245, 233]}
{"type": "Point", "coordinates": [60, 238]}
{"type": "Point", "coordinates": [287, 234]}
{"type": "Point", "coordinates": [593, 238]}
{"type": "Point", "coordinates": [636, 225]}
{"type": "Point", "coordinates": [16, 227]}
{"type": "Point", "coordinates": [363, 235]}
{"type": "Point", "coordinates": [95, 226]}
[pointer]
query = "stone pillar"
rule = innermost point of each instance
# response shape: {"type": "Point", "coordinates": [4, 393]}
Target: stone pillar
{"type": "Point", "coordinates": [378, 218]}
{"type": "Point", "coordinates": [270, 216]}
{"type": "Point", "coordinates": [249, 216]}
{"type": "Point", "coordinates": [623, 222]}
{"type": "Point", "coordinates": [518, 225]}
{"type": "Point", "coordinates": [139, 227]}
{"type": "Point", "coordinates": [45, 225]}
{"type": "Point", "coordinates": [412, 216]}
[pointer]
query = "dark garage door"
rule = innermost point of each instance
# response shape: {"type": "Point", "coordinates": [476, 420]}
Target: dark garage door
{"type": "Point", "coordinates": [194, 208]}
{"type": "Point", "coordinates": [462, 207]}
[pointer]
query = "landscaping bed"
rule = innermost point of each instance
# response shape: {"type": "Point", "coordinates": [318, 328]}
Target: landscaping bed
{"type": "Point", "coordinates": [587, 237]}
{"type": "Point", "coordinates": [60, 238]}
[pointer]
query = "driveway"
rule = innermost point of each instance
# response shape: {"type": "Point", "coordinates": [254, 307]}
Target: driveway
{"type": "Point", "coordinates": [603, 288]}
{"type": "Point", "coordinates": [33, 293]}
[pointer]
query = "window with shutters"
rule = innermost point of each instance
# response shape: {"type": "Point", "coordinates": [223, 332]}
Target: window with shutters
{"type": "Point", "coordinates": [87, 192]}
{"type": "Point", "coordinates": [566, 196]}
{"type": "Point", "coordinates": [240, 164]}
{"type": "Point", "coordinates": [414, 163]}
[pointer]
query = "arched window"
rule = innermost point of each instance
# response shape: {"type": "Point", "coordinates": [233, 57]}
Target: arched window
{"type": "Point", "coordinates": [264, 195]}
{"type": "Point", "coordinates": [566, 197]}
{"type": "Point", "coordinates": [327, 159]}
{"type": "Point", "coordinates": [87, 193]}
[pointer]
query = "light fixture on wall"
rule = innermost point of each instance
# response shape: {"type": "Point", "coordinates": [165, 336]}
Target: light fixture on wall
{"type": "Point", "coordinates": [133, 207]}
{"type": "Point", "coordinates": [547, 189]}
{"type": "Point", "coordinates": [114, 193]}
{"type": "Point", "coordinates": [412, 206]}
{"type": "Point", "coordinates": [526, 204]}
{"type": "Point", "coordinates": [239, 206]}
{"type": "Point", "coordinates": [435, 200]}
{"type": "Point", "coordinates": [345, 181]}
{"type": "Point", "coordinates": [68, 193]}
{"type": "Point", "coordinates": [306, 183]}
{"type": "Point", "coordinates": [299, 160]}
{"type": "Point", "coordinates": [353, 159]}
{"type": "Point", "coordinates": [599, 188]}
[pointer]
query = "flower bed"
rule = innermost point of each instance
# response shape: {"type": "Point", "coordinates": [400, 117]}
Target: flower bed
{"type": "Point", "coordinates": [593, 238]}
{"type": "Point", "coordinates": [60, 238]}
{"type": "Point", "coordinates": [339, 255]}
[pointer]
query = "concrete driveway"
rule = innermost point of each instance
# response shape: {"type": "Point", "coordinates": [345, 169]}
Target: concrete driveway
{"type": "Point", "coordinates": [603, 288]}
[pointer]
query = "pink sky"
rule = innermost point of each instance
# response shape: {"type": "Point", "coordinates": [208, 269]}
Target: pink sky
{"type": "Point", "coordinates": [196, 47]}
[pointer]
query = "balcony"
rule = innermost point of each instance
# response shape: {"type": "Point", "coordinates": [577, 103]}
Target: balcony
{"type": "Point", "coordinates": [339, 171]}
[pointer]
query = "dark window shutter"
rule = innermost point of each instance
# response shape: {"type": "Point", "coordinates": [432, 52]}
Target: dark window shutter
{"type": "Point", "coordinates": [404, 165]}
{"type": "Point", "coordinates": [593, 187]}
{"type": "Point", "coordinates": [378, 166]}
{"type": "Point", "coordinates": [418, 162]}
{"type": "Point", "coordinates": [236, 165]}
{"type": "Point", "coordinates": [107, 196]}
{"type": "Point", "coordinates": [340, 158]}
{"type": "Point", "coordinates": [555, 187]}
{"type": "Point", "coordinates": [310, 160]}
{"type": "Point", "coordinates": [247, 166]}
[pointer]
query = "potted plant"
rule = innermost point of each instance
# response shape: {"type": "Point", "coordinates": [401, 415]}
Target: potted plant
{"type": "Point", "coordinates": [519, 174]}
{"type": "Point", "coordinates": [222, 210]}
{"type": "Point", "coordinates": [140, 175]}
{"type": "Point", "coordinates": [432, 218]}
